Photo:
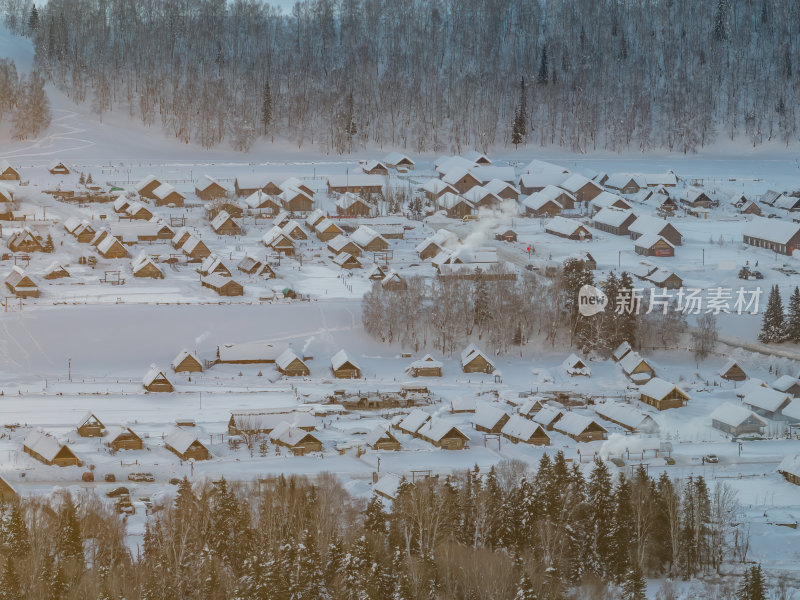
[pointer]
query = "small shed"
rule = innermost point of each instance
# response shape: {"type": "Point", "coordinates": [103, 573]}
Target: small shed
{"type": "Point", "coordinates": [111, 247]}
{"type": "Point", "coordinates": [55, 271]}
{"type": "Point", "coordinates": [654, 245]}
{"type": "Point", "coordinates": [463, 404]}
{"type": "Point", "coordinates": [580, 427]}
{"type": "Point", "coordinates": [166, 195]}
{"type": "Point", "coordinates": [567, 228]}
{"type": "Point", "coordinates": [443, 434]}
{"type": "Point", "coordinates": [90, 426]}
{"type": "Point", "coordinates": [490, 419]}
{"type": "Point", "coordinates": [381, 438]}
{"type": "Point", "coordinates": [393, 282]}
{"type": "Point", "coordinates": [21, 284]}
{"type": "Point", "coordinates": [425, 367]}
{"type": "Point", "coordinates": [300, 442]}
{"type": "Point", "coordinates": [732, 371]}
{"type": "Point", "coordinates": [789, 467]}
{"type": "Point", "coordinates": [224, 286]}
{"type": "Point", "coordinates": [209, 189]}
{"type": "Point", "coordinates": [575, 365]}
{"type": "Point", "coordinates": [636, 368]}
{"type": "Point", "coordinates": [223, 224]}
{"type": "Point", "coordinates": [7, 172]}
{"type": "Point", "coordinates": [346, 261]}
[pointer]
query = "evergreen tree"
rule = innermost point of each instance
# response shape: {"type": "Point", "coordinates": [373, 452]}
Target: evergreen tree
{"type": "Point", "coordinates": [600, 501]}
{"type": "Point", "coordinates": [575, 273]}
{"type": "Point", "coordinates": [621, 529]}
{"type": "Point", "coordinates": [743, 593]}
{"type": "Point", "coordinates": [520, 125]}
{"type": "Point", "coordinates": [626, 322]}
{"type": "Point", "coordinates": [544, 70]}
{"type": "Point", "coordinates": [758, 589]}
{"type": "Point", "coordinates": [266, 106]}
{"type": "Point", "coordinates": [49, 246]}
{"type": "Point", "coordinates": [525, 589]}
{"type": "Point", "coordinates": [610, 318]}
{"type": "Point", "coordinates": [480, 294]}
{"type": "Point", "coordinates": [375, 516]}
{"type": "Point", "coordinates": [82, 179]}
{"type": "Point", "coordinates": [793, 324]}
{"type": "Point", "coordinates": [33, 20]}
{"type": "Point", "coordinates": [69, 543]}
{"type": "Point", "coordinates": [10, 586]}
{"type": "Point", "coordinates": [89, 179]}
{"type": "Point", "coordinates": [635, 586]}
{"type": "Point", "coordinates": [15, 532]}
{"type": "Point", "coordinates": [773, 329]}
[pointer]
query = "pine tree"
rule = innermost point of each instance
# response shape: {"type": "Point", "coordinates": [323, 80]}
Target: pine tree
{"type": "Point", "coordinates": [544, 70]}
{"type": "Point", "coordinates": [793, 324]}
{"type": "Point", "coordinates": [520, 125]}
{"type": "Point", "coordinates": [758, 589]}
{"type": "Point", "coordinates": [601, 517]}
{"type": "Point", "coordinates": [621, 529]}
{"type": "Point", "coordinates": [635, 585]}
{"type": "Point", "coordinates": [16, 532]}
{"type": "Point", "coordinates": [773, 329]}
{"type": "Point", "coordinates": [266, 106]}
{"type": "Point", "coordinates": [69, 543]}
{"type": "Point", "coordinates": [89, 179]}
{"type": "Point", "coordinates": [82, 179]}
{"type": "Point", "coordinates": [375, 516]}
{"type": "Point", "coordinates": [10, 587]}
{"type": "Point", "coordinates": [626, 322]}
{"type": "Point", "coordinates": [480, 294]}
{"type": "Point", "coordinates": [33, 20]}
{"type": "Point", "coordinates": [525, 589]}
{"type": "Point", "coordinates": [743, 593]}
{"type": "Point", "coordinates": [49, 246]}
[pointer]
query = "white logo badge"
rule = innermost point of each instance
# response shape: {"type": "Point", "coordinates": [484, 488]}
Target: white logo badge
{"type": "Point", "coordinates": [591, 300]}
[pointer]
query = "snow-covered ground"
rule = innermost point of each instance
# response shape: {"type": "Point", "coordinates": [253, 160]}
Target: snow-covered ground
{"type": "Point", "coordinates": [85, 345]}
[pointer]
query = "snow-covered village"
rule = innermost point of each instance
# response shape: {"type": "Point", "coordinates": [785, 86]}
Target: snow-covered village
{"type": "Point", "coordinates": [331, 359]}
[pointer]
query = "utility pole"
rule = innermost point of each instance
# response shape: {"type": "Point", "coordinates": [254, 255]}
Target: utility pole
{"type": "Point", "coordinates": [69, 369]}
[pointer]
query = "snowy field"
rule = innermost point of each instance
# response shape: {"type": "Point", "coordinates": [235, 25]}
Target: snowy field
{"type": "Point", "coordinates": [84, 345]}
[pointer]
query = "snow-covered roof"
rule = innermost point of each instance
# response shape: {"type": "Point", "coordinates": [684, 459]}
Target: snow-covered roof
{"type": "Point", "coordinates": [89, 416]}
{"type": "Point", "coordinates": [290, 193]}
{"type": "Point", "coordinates": [251, 181]}
{"type": "Point", "coordinates": [414, 420]}
{"type": "Point", "coordinates": [575, 182]}
{"type": "Point", "coordinates": [455, 174]}
{"type": "Point", "coordinates": [546, 416]}
{"type": "Point", "coordinates": [470, 352]}
{"type": "Point", "coordinates": [734, 415]}
{"type": "Point", "coordinates": [71, 224]}
{"type": "Point", "coordinates": [777, 231]}
{"type": "Point", "coordinates": [286, 358]}
{"type": "Point", "coordinates": [728, 366]}
{"type": "Point", "coordinates": [485, 173]}
{"type": "Point", "coordinates": [143, 183]}
{"type": "Point", "coordinates": [445, 164]}
{"type": "Point", "coordinates": [488, 416]}
{"type": "Point", "coordinates": [520, 428]}
{"type": "Point", "coordinates": [288, 434]}
{"type": "Point", "coordinates": [575, 365]}
{"type": "Point", "coordinates": [613, 217]}
{"type": "Point", "coordinates": [434, 186]}
{"type": "Point", "coordinates": [449, 200]}
{"type": "Point", "coordinates": [625, 414]}
{"type": "Point", "coordinates": [497, 186]}
{"type": "Point", "coordinates": [340, 358]}
{"type": "Point", "coordinates": [348, 199]}
{"type": "Point", "coordinates": [6, 193]}
{"type": "Point", "coordinates": [327, 225]}
{"type": "Point", "coordinates": [373, 164]}
{"type": "Point", "coordinates": [142, 261]}
{"type": "Point", "coordinates": [154, 373]}
{"type": "Point", "coordinates": [267, 420]}
{"type": "Point", "coordinates": [648, 240]}
{"type": "Point", "coordinates": [436, 428]}
{"type": "Point", "coordinates": [164, 190]}
{"type": "Point", "coordinates": [787, 202]}
{"type": "Point", "coordinates": [395, 158]}
{"type": "Point", "coordinates": [258, 350]}
{"type": "Point", "coordinates": [108, 242]}
{"type": "Point", "coordinates": [55, 267]}
{"type": "Point", "coordinates": [563, 226]}
{"type": "Point", "coordinates": [620, 180]}
{"type": "Point", "coordinates": [259, 199]}
{"type": "Point", "coordinates": [540, 166]}
{"type": "Point", "coordinates": [463, 404]}
{"type": "Point", "coordinates": [338, 243]}
{"type": "Point", "coordinates": [44, 444]}
{"type": "Point", "coordinates": [542, 180]}
{"type": "Point", "coordinates": [661, 275]}
{"type": "Point", "coordinates": [356, 179]}
{"type": "Point", "coordinates": [792, 410]}
{"type": "Point", "coordinates": [296, 183]}
{"type": "Point", "coordinates": [442, 238]}
{"type": "Point", "coordinates": [766, 398]}
{"type": "Point", "coordinates": [344, 258]}
{"type": "Point", "coordinates": [621, 350]}
{"type": "Point", "coordinates": [387, 485]}
{"type": "Point", "coordinates": [668, 178]}
{"type": "Point", "coordinates": [476, 156]}
{"type": "Point", "coordinates": [647, 224]}
{"type": "Point", "coordinates": [572, 423]}
{"type": "Point", "coordinates": [536, 201]}
{"type": "Point", "coordinates": [180, 440]}
{"type": "Point", "coordinates": [658, 388]}
{"type": "Point", "coordinates": [206, 182]}
{"type": "Point", "coordinates": [182, 355]}
{"type": "Point", "coordinates": [376, 433]}
{"type": "Point", "coordinates": [605, 199]}
{"type": "Point", "coordinates": [479, 193]}
{"type": "Point", "coordinates": [364, 235]}
{"type": "Point", "coordinates": [790, 465]}
{"type": "Point", "coordinates": [17, 276]}
{"type": "Point", "coordinates": [220, 220]}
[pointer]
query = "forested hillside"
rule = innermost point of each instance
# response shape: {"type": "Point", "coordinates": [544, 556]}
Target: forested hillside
{"type": "Point", "coordinates": [430, 75]}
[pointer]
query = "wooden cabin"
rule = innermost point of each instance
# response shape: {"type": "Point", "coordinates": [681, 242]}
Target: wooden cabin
{"type": "Point", "coordinates": [166, 195]}
{"type": "Point", "coordinates": [732, 371]}
{"type": "Point", "coordinates": [369, 239]}
{"type": "Point", "coordinates": [442, 434]}
{"type": "Point", "coordinates": [295, 201]}
{"type": "Point", "coordinates": [300, 442]}
{"type": "Point", "coordinates": [112, 248]}
{"type": "Point", "coordinates": [567, 228]}
{"type": "Point", "coordinates": [21, 284]}
{"type": "Point", "coordinates": [789, 467]}
{"type": "Point", "coordinates": [356, 183]}
{"type": "Point", "coordinates": [147, 186]}
{"type": "Point", "coordinates": [461, 179]}
{"type": "Point", "coordinates": [143, 266]}
{"type": "Point", "coordinates": [374, 167]}
{"type": "Point", "coordinates": [381, 438]}
{"type": "Point", "coordinates": [45, 448]}
{"type": "Point", "coordinates": [614, 220]}
{"type": "Point", "coordinates": [25, 241]}
{"type": "Point", "coordinates": [346, 261]}
{"type": "Point", "coordinates": [490, 419]}
{"type": "Point", "coordinates": [7, 172]}
{"type": "Point", "coordinates": [58, 168]}
{"type": "Point", "coordinates": [654, 245]}
{"type": "Point", "coordinates": [209, 189]}
{"type": "Point", "coordinates": [351, 205]}
{"type": "Point", "coordinates": [344, 367]}
{"type": "Point", "coordinates": [90, 426]}
{"type": "Point", "coordinates": [294, 231]}
{"type": "Point", "coordinates": [474, 360]}
{"type": "Point", "coordinates": [55, 271]}
{"type": "Point", "coordinates": [224, 286]}
{"type": "Point", "coordinates": [266, 420]}
{"type": "Point", "coordinates": [636, 367]}
{"type": "Point", "coordinates": [662, 394]}
{"type": "Point", "coordinates": [195, 249]}
{"type": "Point", "coordinates": [397, 160]}
{"type": "Point", "coordinates": [156, 381]}
{"type": "Point", "coordinates": [327, 230]}
{"type": "Point", "coordinates": [187, 362]}
{"type": "Point", "coordinates": [223, 224]}
{"type": "Point", "coordinates": [649, 225]}
{"type": "Point", "coordinates": [186, 445]}
{"type": "Point", "coordinates": [627, 416]}
{"type": "Point", "coordinates": [7, 492]}
{"type": "Point", "coordinates": [777, 235]}
{"type": "Point", "coordinates": [580, 427]}
{"type": "Point", "coordinates": [277, 239]}
{"type": "Point", "coordinates": [291, 365]}
{"type": "Point", "coordinates": [342, 243]}
{"type": "Point", "coordinates": [393, 282]}
{"type": "Point", "coordinates": [518, 429]}
{"type": "Point", "coordinates": [124, 438]}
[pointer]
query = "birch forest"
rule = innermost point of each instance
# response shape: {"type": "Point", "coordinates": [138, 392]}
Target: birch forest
{"type": "Point", "coordinates": [429, 75]}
